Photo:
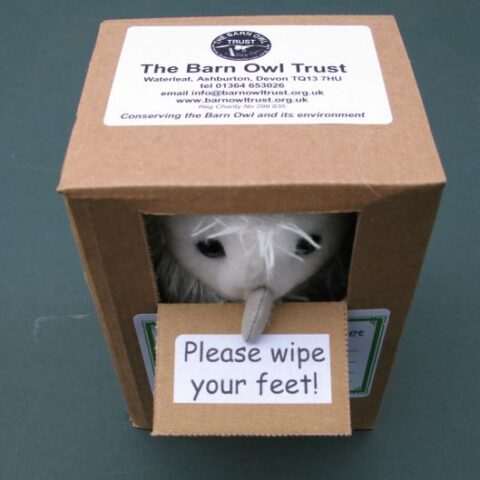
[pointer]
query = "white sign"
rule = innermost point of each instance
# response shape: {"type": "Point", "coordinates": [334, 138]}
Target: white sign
{"type": "Point", "coordinates": [254, 74]}
{"type": "Point", "coordinates": [278, 368]}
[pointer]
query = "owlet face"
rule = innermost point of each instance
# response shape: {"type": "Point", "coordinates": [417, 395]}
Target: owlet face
{"type": "Point", "coordinates": [237, 254]}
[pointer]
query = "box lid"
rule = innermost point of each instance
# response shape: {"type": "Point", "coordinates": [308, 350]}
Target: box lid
{"type": "Point", "coordinates": [139, 161]}
{"type": "Point", "coordinates": [293, 381]}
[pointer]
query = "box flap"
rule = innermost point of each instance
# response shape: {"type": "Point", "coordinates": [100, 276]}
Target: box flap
{"type": "Point", "coordinates": [293, 381]}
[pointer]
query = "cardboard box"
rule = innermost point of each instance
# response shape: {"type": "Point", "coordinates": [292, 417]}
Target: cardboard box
{"type": "Point", "coordinates": [335, 124]}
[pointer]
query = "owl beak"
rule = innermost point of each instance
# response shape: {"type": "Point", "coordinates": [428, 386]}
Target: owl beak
{"type": "Point", "coordinates": [256, 314]}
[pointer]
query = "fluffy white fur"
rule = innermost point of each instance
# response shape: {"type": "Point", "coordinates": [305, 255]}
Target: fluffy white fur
{"type": "Point", "coordinates": [260, 251]}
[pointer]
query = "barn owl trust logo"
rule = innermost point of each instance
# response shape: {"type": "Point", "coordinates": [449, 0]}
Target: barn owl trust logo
{"type": "Point", "coordinates": [241, 45]}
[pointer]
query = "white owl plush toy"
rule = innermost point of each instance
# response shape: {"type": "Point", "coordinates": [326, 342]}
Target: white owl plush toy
{"type": "Point", "coordinates": [255, 259]}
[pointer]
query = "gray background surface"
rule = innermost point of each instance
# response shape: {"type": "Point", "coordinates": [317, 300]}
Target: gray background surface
{"type": "Point", "coordinates": [61, 410]}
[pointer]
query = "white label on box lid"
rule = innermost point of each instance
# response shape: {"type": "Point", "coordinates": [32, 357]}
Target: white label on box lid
{"type": "Point", "coordinates": [254, 74]}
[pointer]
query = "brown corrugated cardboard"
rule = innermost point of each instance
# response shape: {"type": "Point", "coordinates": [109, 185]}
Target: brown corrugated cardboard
{"type": "Point", "coordinates": [171, 418]}
{"type": "Point", "coordinates": [368, 159]}
{"type": "Point", "coordinates": [389, 173]}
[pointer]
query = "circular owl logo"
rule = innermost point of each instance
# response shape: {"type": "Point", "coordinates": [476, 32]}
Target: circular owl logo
{"type": "Point", "coordinates": [241, 45]}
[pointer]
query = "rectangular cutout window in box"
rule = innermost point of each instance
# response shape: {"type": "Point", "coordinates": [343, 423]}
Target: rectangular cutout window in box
{"type": "Point", "coordinates": [218, 258]}
{"type": "Point", "coordinates": [293, 381]}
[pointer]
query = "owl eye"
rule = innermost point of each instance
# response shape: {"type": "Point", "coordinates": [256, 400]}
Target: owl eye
{"type": "Point", "coordinates": [304, 247]}
{"type": "Point", "coordinates": [211, 248]}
